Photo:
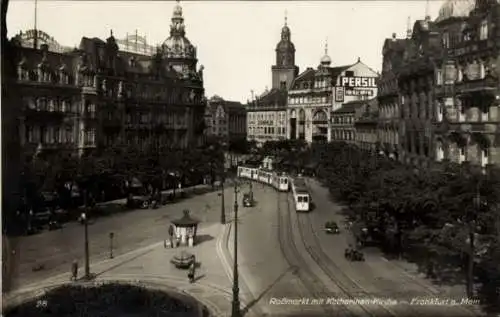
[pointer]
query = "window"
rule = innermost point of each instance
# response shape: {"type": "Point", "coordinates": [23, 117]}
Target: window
{"type": "Point", "coordinates": [50, 105]}
{"type": "Point", "coordinates": [43, 134]}
{"type": "Point", "coordinates": [57, 135]}
{"type": "Point", "coordinates": [439, 77]}
{"type": "Point", "coordinates": [89, 137]}
{"type": "Point", "coordinates": [446, 40]}
{"type": "Point", "coordinates": [30, 136]}
{"type": "Point", "coordinates": [483, 30]}
{"type": "Point", "coordinates": [69, 136]}
{"type": "Point", "coordinates": [349, 73]}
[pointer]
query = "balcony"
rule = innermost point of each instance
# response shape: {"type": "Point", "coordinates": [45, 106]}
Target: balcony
{"type": "Point", "coordinates": [444, 90]}
{"type": "Point", "coordinates": [89, 90]}
{"type": "Point", "coordinates": [470, 47]}
{"type": "Point", "coordinates": [44, 115]}
{"type": "Point", "coordinates": [488, 83]}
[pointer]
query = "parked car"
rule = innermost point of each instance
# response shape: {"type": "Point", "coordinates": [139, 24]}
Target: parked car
{"type": "Point", "coordinates": [332, 227]}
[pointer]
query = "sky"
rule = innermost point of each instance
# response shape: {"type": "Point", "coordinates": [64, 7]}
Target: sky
{"type": "Point", "coordinates": [236, 40]}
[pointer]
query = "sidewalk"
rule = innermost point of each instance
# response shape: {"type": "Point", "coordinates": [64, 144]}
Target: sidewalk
{"type": "Point", "coordinates": [150, 266]}
{"type": "Point", "coordinates": [165, 192]}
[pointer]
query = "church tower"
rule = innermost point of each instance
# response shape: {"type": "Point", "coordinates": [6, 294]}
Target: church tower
{"type": "Point", "coordinates": [285, 71]}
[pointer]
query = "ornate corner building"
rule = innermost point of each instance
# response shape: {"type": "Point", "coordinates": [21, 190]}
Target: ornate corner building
{"type": "Point", "coordinates": [266, 114]}
{"type": "Point", "coordinates": [320, 99]}
{"type": "Point", "coordinates": [439, 93]}
{"type": "Point", "coordinates": [107, 93]}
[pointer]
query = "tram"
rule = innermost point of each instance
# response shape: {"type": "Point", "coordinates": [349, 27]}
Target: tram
{"type": "Point", "coordinates": [301, 195]}
{"type": "Point", "coordinates": [278, 181]}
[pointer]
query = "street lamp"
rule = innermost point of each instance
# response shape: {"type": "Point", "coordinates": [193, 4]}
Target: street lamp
{"type": "Point", "coordinates": [111, 235]}
{"type": "Point", "coordinates": [86, 230]}
{"type": "Point", "coordinates": [222, 206]}
{"type": "Point", "coordinates": [236, 290]}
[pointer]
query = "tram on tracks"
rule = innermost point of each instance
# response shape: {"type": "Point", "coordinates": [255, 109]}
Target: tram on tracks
{"type": "Point", "coordinates": [301, 195]}
{"type": "Point", "coordinates": [279, 181]}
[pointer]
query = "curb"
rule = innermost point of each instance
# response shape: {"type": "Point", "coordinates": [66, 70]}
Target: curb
{"type": "Point", "coordinates": [160, 283]}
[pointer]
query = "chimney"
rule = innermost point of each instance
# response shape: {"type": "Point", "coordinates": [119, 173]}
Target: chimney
{"type": "Point", "coordinates": [393, 36]}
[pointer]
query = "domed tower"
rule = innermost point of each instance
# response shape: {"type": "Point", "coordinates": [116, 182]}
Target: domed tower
{"type": "Point", "coordinates": [453, 9]}
{"type": "Point", "coordinates": [285, 71]}
{"type": "Point", "coordinates": [326, 60]}
{"type": "Point", "coordinates": [178, 51]}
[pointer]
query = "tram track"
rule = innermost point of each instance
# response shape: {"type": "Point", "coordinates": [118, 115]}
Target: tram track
{"type": "Point", "coordinates": [314, 285]}
{"type": "Point", "coordinates": [349, 287]}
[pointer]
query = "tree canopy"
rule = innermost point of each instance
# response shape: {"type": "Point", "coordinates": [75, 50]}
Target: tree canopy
{"type": "Point", "coordinates": [424, 214]}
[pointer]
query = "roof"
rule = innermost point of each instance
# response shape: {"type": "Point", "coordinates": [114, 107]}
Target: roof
{"type": "Point", "coordinates": [310, 73]}
{"type": "Point", "coordinates": [274, 98]}
{"type": "Point", "coordinates": [185, 220]}
{"type": "Point", "coordinates": [299, 184]}
{"type": "Point", "coordinates": [31, 58]}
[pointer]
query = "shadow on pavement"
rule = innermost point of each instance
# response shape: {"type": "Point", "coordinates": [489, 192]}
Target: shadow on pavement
{"type": "Point", "coordinates": [265, 291]}
{"type": "Point", "coordinates": [203, 238]}
{"type": "Point", "coordinates": [196, 279]}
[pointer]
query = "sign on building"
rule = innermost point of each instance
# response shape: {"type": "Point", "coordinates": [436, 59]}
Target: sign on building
{"type": "Point", "coordinates": [339, 94]}
{"type": "Point", "coordinates": [358, 82]}
{"type": "Point", "coordinates": [359, 92]}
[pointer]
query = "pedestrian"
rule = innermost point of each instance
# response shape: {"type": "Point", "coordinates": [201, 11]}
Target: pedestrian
{"type": "Point", "coordinates": [171, 234]}
{"type": "Point", "coordinates": [191, 271]}
{"type": "Point", "coordinates": [74, 270]}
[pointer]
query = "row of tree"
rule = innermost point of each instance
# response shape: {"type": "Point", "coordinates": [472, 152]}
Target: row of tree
{"type": "Point", "coordinates": [445, 219]}
{"type": "Point", "coordinates": [110, 173]}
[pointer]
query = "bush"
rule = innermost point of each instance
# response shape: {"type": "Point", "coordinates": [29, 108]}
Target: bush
{"type": "Point", "coordinates": [105, 300]}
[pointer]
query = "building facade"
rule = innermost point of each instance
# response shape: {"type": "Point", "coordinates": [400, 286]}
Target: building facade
{"type": "Point", "coordinates": [97, 96]}
{"type": "Point", "coordinates": [388, 97]}
{"type": "Point", "coordinates": [448, 76]}
{"type": "Point", "coordinates": [366, 128]}
{"type": "Point", "coordinates": [309, 103]}
{"type": "Point", "coordinates": [344, 119]}
{"type": "Point", "coordinates": [266, 114]}
{"type": "Point", "coordinates": [417, 83]}
{"type": "Point", "coordinates": [266, 117]}
{"type": "Point", "coordinates": [225, 119]}
{"type": "Point", "coordinates": [317, 93]}
{"type": "Point", "coordinates": [468, 84]}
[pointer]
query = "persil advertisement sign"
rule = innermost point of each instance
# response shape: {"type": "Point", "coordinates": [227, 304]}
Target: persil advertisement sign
{"type": "Point", "coordinates": [358, 86]}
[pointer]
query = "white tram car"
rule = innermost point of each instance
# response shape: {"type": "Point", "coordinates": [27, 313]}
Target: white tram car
{"type": "Point", "coordinates": [301, 195]}
{"type": "Point", "coordinates": [277, 180]}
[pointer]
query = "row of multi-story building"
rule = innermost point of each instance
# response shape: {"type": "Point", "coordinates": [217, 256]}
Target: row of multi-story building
{"type": "Point", "coordinates": [107, 93]}
{"type": "Point", "coordinates": [437, 97]}
{"type": "Point", "coordinates": [308, 105]}
{"type": "Point", "coordinates": [439, 93]}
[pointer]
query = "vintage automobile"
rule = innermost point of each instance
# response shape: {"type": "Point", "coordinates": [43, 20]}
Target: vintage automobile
{"type": "Point", "coordinates": [354, 255]}
{"type": "Point", "coordinates": [332, 227]}
{"type": "Point", "coordinates": [247, 200]}
{"type": "Point", "coordinates": [54, 225]}
{"type": "Point", "coordinates": [183, 260]}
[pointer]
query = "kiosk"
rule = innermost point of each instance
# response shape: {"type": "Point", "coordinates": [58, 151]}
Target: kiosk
{"type": "Point", "coordinates": [185, 230]}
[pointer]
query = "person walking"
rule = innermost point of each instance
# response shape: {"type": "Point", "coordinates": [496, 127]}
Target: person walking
{"type": "Point", "coordinates": [74, 270]}
{"type": "Point", "coordinates": [191, 272]}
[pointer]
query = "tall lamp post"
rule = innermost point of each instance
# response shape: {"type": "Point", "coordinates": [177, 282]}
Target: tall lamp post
{"type": "Point", "coordinates": [222, 206]}
{"type": "Point", "coordinates": [236, 289]}
{"type": "Point", "coordinates": [86, 230]}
